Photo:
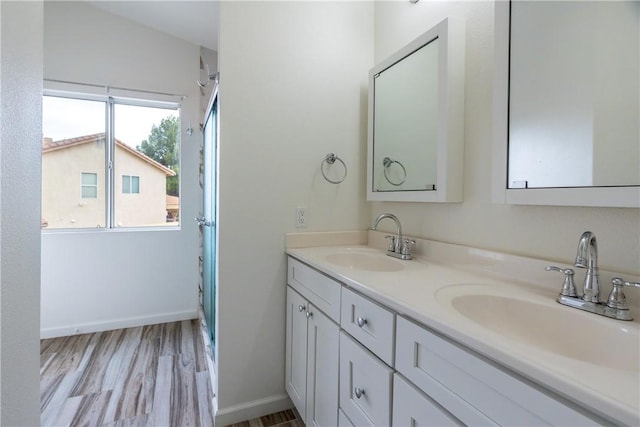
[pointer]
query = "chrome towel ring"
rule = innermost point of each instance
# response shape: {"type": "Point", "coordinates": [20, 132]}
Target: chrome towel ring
{"type": "Point", "coordinates": [331, 159]}
{"type": "Point", "coordinates": [387, 162]}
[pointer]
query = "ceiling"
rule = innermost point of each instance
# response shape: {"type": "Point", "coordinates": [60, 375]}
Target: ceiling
{"type": "Point", "coordinates": [194, 21]}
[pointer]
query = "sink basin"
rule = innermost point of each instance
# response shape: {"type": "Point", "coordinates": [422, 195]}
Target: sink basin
{"type": "Point", "coordinates": [556, 329]}
{"type": "Point", "coordinates": [365, 261]}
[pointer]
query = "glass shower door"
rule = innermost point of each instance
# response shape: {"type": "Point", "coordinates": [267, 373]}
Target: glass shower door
{"type": "Point", "coordinates": [209, 210]}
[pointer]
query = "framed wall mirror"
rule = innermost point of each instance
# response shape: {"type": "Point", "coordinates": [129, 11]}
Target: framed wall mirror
{"type": "Point", "coordinates": [416, 120]}
{"type": "Point", "coordinates": [567, 103]}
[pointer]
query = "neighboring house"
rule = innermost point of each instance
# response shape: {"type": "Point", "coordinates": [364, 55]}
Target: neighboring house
{"type": "Point", "coordinates": [73, 185]}
{"type": "Point", "coordinates": [173, 208]}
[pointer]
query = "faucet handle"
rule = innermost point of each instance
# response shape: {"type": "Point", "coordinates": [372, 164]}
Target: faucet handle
{"type": "Point", "coordinates": [568, 286]}
{"type": "Point", "coordinates": [616, 297]}
{"type": "Point", "coordinates": [405, 248]}
{"type": "Point", "coordinates": [392, 243]}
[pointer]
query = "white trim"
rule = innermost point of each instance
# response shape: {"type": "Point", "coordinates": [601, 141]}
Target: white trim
{"type": "Point", "coordinates": [111, 142]}
{"type": "Point", "coordinates": [129, 322]}
{"type": "Point", "coordinates": [104, 91]}
{"type": "Point", "coordinates": [500, 102]}
{"type": "Point", "coordinates": [620, 197]}
{"type": "Point", "coordinates": [253, 409]}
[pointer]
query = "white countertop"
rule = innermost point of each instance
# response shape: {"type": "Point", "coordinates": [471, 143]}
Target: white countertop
{"type": "Point", "coordinates": [422, 289]}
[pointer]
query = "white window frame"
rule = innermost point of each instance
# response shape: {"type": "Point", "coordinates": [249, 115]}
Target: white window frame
{"type": "Point", "coordinates": [152, 100]}
{"type": "Point", "coordinates": [83, 185]}
{"type": "Point", "coordinates": [130, 179]}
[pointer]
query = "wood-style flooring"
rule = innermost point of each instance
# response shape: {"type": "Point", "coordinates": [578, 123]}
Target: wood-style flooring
{"type": "Point", "coordinates": [288, 418]}
{"type": "Point", "coordinates": [154, 375]}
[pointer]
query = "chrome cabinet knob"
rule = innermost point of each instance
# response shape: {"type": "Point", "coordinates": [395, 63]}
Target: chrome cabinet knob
{"type": "Point", "coordinates": [301, 308]}
{"type": "Point", "coordinates": [309, 314]}
{"type": "Point", "coordinates": [361, 321]}
{"type": "Point", "coordinates": [359, 392]}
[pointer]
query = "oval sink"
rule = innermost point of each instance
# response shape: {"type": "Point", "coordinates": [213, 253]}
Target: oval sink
{"type": "Point", "coordinates": [364, 261]}
{"type": "Point", "coordinates": [608, 343]}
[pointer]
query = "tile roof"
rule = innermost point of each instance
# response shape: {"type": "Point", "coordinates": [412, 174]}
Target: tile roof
{"type": "Point", "coordinates": [49, 145]}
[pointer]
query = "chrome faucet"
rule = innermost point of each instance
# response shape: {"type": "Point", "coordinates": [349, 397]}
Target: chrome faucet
{"type": "Point", "coordinates": [399, 247]}
{"type": "Point", "coordinates": [587, 257]}
{"type": "Point", "coordinates": [616, 306]}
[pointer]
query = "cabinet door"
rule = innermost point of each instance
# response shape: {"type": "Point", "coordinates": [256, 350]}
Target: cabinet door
{"type": "Point", "coordinates": [343, 421]}
{"type": "Point", "coordinates": [296, 350]}
{"type": "Point", "coordinates": [365, 385]}
{"type": "Point", "coordinates": [323, 337]}
{"type": "Point", "coordinates": [412, 407]}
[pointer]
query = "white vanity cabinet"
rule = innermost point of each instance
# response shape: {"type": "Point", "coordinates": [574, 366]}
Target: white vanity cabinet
{"type": "Point", "coordinates": [365, 385]}
{"type": "Point", "coordinates": [343, 421]}
{"type": "Point", "coordinates": [312, 351]}
{"type": "Point", "coordinates": [296, 348]}
{"type": "Point", "coordinates": [369, 323]}
{"type": "Point", "coordinates": [366, 360]}
{"type": "Point", "coordinates": [412, 407]}
{"type": "Point", "coordinates": [352, 361]}
{"type": "Point", "coordinates": [473, 389]}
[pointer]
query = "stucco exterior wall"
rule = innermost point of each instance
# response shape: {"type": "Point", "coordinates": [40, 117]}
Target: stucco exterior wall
{"type": "Point", "coordinates": [62, 202]}
{"type": "Point", "coordinates": [147, 208]}
{"type": "Point", "coordinates": [64, 207]}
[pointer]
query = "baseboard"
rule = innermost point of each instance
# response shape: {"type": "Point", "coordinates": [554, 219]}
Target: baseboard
{"type": "Point", "coordinates": [249, 410]}
{"type": "Point", "coordinates": [130, 322]}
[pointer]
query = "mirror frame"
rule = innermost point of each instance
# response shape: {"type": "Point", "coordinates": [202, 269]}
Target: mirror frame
{"type": "Point", "coordinates": [626, 197]}
{"type": "Point", "coordinates": [451, 72]}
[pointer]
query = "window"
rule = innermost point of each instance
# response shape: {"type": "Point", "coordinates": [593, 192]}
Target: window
{"type": "Point", "coordinates": [130, 184]}
{"type": "Point", "coordinates": [112, 144]}
{"type": "Point", "coordinates": [89, 185]}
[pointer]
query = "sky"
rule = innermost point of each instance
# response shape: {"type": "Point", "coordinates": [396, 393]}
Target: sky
{"type": "Point", "coordinates": [64, 118]}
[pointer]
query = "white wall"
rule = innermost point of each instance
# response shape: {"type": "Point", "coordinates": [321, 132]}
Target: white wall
{"type": "Point", "coordinates": [292, 89]}
{"type": "Point", "coordinates": [100, 280]}
{"type": "Point", "coordinates": [538, 231]}
{"type": "Point", "coordinates": [20, 142]}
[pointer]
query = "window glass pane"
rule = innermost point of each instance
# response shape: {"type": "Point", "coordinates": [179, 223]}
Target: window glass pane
{"type": "Point", "coordinates": [89, 185]}
{"type": "Point", "coordinates": [89, 192]}
{"type": "Point", "coordinates": [73, 156]}
{"type": "Point", "coordinates": [89, 179]}
{"type": "Point", "coordinates": [135, 184]}
{"type": "Point", "coordinates": [147, 148]}
{"type": "Point", "coordinates": [126, 184]}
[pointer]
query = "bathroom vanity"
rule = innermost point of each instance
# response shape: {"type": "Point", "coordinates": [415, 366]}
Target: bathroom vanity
{"type": "Point", "coordinates": [457, 336]}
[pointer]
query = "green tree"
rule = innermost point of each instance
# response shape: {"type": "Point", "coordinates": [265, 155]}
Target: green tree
{"type": "Point", "coordinates": [162, 146]}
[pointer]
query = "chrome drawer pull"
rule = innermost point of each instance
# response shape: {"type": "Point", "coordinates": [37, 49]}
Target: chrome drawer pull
{"type": "Point", "coordinates": [359, 392]}
{"type": "Point", "coordinates": [301, 308]}
{"type": "Point", "coordinates": [309, 314]}
{"type": "Point", "coordinates": [361, 321]}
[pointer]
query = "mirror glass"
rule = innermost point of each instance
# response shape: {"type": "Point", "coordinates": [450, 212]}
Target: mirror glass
{"type": "Point", "coordinates": [416, 119]}
{"type": "Point", "coordinates": [574, 94]}
{"type": "Point", "coordinates": [405, 122]}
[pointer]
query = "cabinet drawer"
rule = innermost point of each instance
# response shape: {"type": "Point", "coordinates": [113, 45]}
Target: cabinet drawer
{"type": "Point", "coordinates": [369, 323]}
{"type": "Point", "coordinates": [320, 290]}
{"type": "Point", "coordinates": [430, 361]}
{"type": "Point", "coordinates": [365, 385]}
{"type": "Point", "coordinates": [412, 407]}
